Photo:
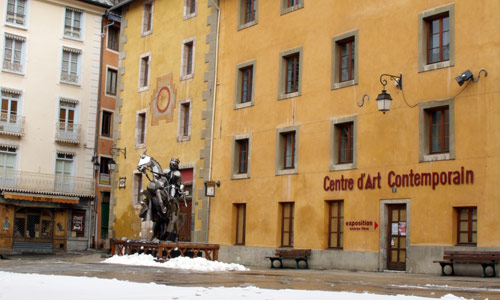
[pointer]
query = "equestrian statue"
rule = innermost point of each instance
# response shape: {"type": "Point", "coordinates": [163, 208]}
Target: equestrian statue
{"type": "Point", "coordinates": [161, 198]}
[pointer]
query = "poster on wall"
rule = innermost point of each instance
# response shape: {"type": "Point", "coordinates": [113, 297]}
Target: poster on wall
{"type": "Point", "coordinates": [78, 224]}
{"type": "Point", "coordinates": [402, 228]}
{"type": "Point", "coordinates": [394, 229]}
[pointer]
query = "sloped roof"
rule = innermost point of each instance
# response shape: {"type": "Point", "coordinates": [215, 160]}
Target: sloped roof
{"type": "Point", "coordinates": [103, 3]}
{"type": "Point", "coordinates": [122, 3]}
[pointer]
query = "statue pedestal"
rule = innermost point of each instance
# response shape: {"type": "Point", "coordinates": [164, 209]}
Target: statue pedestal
{"type": "Point", "coordinates": [146, 230]}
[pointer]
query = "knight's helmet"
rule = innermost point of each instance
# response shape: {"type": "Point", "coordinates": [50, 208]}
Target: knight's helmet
{"type": "Point", "coordinates": [174, 164]}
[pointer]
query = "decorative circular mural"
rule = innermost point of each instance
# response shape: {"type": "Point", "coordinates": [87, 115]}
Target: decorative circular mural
{"type": "Point", "coordinates": [163, 99]}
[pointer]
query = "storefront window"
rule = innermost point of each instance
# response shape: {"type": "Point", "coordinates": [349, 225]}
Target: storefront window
{"type": "Point", "coordinates": [78, 223]}
{"type": "Point", "coordinates": [33, 223]}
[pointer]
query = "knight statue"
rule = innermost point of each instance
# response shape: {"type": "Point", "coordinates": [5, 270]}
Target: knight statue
{"type": "Point", "coordinates": [162, 197]}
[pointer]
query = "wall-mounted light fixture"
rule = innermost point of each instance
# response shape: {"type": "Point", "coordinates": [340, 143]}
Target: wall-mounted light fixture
{"type": "Point", "coordinates": [210, 188]}
{"type": "Point", "coordinates": [118, 150]}
{"type": "Point", "coordinates": [384, 99]}
{"type": "Point", "coordinates": [96, 164]}
{"type": "Point", "coordinates": [111, 162]}
{"type": "Point", "coordinates": [467, 75]}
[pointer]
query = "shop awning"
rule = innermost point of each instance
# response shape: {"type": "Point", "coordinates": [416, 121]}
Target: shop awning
{"type": "Point", "coordinates": [41, 198]}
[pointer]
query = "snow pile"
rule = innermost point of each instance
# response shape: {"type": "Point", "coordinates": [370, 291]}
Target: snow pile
{"type": "Point", "coordinates": [185, 263]}
{"type": "Point", "coordinates": [13, 286]}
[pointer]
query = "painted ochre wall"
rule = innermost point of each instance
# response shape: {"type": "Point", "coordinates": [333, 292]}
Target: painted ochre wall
{"type": "Point", "coordinates": [165, 45]}
{"type": "Point", "coordinates": [388, 43]}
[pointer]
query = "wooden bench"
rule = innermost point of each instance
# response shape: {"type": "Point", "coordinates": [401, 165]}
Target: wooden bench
{"type": "Point", "coordinates": [484, 258]}
{"type": "Point", "coordinates": [297, 254]}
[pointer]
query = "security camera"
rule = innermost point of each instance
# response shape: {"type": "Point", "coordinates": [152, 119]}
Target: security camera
{"type": "Point", "coordinates": [467, 75]}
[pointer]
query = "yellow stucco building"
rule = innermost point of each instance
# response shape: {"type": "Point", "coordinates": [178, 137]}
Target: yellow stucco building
{"type": "Point", "coordinates": [303, 153]}
{"type": "Point", "coordinates": [306, 159]}
{"type": "Point", "coordinates": [165, 88]}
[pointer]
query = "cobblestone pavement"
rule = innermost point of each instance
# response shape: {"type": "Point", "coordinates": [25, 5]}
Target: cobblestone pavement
{"type": "Point", "coordinates": [89, 264]}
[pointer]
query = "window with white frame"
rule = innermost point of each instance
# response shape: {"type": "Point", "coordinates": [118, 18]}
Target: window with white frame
{"type": "Point", "coordinates": [140, 130]}
{"type": "Point", "coordinates": [64, 171]}
{"type": "Point", "coordinates": [111, 78]}
{"type": "Point", "coordinates": [7, 165]}
{"type": "Point", "coordinates": [190, 7]}
{"type": "Point", "coordinates": [13, 57]}
{"type": "Point", "coordinates": [16, 12]}
{"type": "Point", "coordinates": [10, 106]}
{"type": "Point", "coordinates": [147, 18]}
{"type": "Point", "coordinates": [70, 68]}
{"type": "Point", "coordinates": [184, 126]}
{"type": "Point", "coordinates": [144, 69]}
{"type": "Point", "coordinates": [188, 53]}
{"type": "Point", "coordinates": [73, 23]}
{"type": "Point", "coordinates": [67, 116]}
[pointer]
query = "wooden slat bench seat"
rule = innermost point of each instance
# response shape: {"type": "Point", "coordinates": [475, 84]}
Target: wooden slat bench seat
{"type": "Point", "coordinates": [484, 258]}
{"type": "Point", "coordinates": [300, 255]}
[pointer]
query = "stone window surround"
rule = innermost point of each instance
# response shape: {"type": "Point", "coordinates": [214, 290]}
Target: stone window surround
{"type": "Point", "coordinates": [334, 137]}
{"type": "Point", "coordinates": [184, 75]}
{"type": "Point", "coordinates": [235, 156]}
{"type": "Point", "coordinates": [284, 9]}
{"type": "Point", "coordinates": [279, 150]}
{"type": "Point", "coordinates": [422, 38]}
{"type": "Point", "coordinates": [282, 73]}
{"type": "Point", "coordinates": [180, 126]}
{"type": "Point", "coordinates": [241, 15]}
{"type": "Point", "coordinates": [423, 121]}
{"type": "Point", "coordinates": [187, 15]}
{"type": "Point", "coordinates": [335, 80]}
{"type": "Point", "coordinates": [237, 89]}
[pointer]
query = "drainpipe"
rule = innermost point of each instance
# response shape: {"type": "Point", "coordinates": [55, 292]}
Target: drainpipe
{"type": "Point", "coordinates": [213, 108]}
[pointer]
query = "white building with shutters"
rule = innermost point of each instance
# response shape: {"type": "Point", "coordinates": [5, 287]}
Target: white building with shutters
{"type": "Point", "coordinates": [49, 81]}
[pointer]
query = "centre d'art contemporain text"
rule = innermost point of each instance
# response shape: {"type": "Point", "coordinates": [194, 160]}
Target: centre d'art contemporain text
{"type": "Point", "coordinates": [395, 180]}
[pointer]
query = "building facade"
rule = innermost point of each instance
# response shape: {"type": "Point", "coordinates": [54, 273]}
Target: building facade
{"type": "Point", "coordinates": [49, 86]}
{"type": "Point", "coordinates": [164, 98]}
{"type": "Point", "coordinates": [104, 144]}
{"type": "Point", "coordinates": [306, 159]}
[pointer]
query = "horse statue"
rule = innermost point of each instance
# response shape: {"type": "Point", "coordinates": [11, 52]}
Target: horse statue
{"type": "Point", "coordinates": [161, 198]}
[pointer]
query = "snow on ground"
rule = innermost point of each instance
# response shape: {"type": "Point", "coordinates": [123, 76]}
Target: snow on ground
{"type": "Point", "coordinates": [185, 263]}
{"type": "Point", "coordinates": [16, 286]}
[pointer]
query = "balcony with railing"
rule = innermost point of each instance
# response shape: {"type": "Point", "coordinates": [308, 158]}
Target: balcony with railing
{"type": "Point", "coordinates": [15, 66]}
{"type": "Point", "coordinates": [15, 18]}
{"type": "Point", "coordinates": [30, 182]}
{"type": "Point", "coordinates": [11, 124]}
{"type": "Point", "coordinates": [68, 132]}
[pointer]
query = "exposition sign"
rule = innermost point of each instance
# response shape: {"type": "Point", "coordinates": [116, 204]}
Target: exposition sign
{"type": "Point", "coordinates": [361, 225]}
{"type": "Point", "coordinates": [410, 179]}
